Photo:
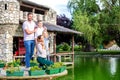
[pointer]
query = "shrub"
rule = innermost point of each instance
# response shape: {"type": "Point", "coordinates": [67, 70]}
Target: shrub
{"type": "Point", "coordinates": [63, 47]}
{"type": "Point", "coordinates": [77, 48]}
{"type": "Point", "coordinates": [66, 47]}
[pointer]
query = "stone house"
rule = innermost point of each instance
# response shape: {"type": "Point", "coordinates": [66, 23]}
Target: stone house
{"type": "Point", "coordinates": [12, 15]}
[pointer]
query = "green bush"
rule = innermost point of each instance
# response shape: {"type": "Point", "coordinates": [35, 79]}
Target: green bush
{"type": "Point", "coordinates": [59, 48]}
{"type": "Point", "coordinates": [77, 48]}
{"type": "Point", "coordinates": [63, 47]}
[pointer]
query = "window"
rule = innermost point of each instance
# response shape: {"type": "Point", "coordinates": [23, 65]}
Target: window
{"type": "Point", "coordinates": [5, 6]}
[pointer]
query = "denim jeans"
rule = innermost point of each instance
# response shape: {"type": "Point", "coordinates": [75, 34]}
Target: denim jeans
{"type": "Point", "coordinates": [29, 45]}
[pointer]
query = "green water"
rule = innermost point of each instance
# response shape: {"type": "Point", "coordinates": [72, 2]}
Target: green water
{"type": "Point", "coordinates": [94, 68]}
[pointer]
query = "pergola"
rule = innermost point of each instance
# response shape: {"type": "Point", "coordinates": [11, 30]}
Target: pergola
{"type": "Point", "coordinates": [60, 29]}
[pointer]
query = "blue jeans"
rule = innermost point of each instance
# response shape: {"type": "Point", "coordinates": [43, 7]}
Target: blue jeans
{"type": "Point", "coordinates": [29, 45]}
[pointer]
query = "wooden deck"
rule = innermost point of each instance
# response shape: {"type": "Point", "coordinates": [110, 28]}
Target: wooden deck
{"type": "Point", "coordinates": [27, 77]}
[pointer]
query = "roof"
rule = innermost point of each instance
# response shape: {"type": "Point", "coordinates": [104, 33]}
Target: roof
{"type": "Point", "coordinates": [57, 28]}
{"type": "Point", "coordinates": [60, 29]}
{"type": "Point", "coordinates": [35, 4]}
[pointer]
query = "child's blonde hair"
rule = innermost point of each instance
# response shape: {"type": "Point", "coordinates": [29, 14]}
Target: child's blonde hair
{"type": "Point", "coordinates": [43, 33]}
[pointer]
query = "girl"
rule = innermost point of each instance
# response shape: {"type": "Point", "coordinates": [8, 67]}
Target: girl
{"type": "Point", "coordinates": [46, 42]}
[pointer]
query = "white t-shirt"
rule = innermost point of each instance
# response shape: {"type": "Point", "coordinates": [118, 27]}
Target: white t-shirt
{"type": "Point", "coordinates": [41, 52]}
{"type": "Point", "coordinates": [39, 32]}
{"type": "Point", "coordinates": [30, 25]}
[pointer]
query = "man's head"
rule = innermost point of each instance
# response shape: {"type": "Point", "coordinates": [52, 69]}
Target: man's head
{"type": "Point", "coordinates": [30, 16]}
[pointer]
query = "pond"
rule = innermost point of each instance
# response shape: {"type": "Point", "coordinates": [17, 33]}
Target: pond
{"type": "Point", "coordinates": [94, 68]}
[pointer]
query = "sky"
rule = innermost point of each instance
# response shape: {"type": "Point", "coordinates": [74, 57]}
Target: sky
{"type": "Point", "coordinates": [60, 6]}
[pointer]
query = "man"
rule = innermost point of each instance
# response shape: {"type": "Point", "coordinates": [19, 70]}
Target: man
{"type": "Point", "coordinates": [29, 28]}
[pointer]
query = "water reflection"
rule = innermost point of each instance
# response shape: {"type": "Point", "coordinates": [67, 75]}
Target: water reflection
{"type": "Point", "coordinates": [94, 68]}
{"type": "Point", "coordinates": [113, 65]}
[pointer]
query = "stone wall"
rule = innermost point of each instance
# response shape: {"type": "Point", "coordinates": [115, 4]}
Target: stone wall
{"type": "Point", "coordinates": [9, 12]}
{"type": "Point", "coordinates": [6, 41]}
{"type": "Point", "coordinates": [50, 16]}
{"type": "Point", "coordinates": [10, 15]}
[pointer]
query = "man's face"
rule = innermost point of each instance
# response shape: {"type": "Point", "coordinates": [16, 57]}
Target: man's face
{"type": "Point", "coordinates": [30, 17]}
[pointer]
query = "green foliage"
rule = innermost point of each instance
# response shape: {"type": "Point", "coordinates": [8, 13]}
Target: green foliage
{"type": "Point", "coordinates": [15, 63]}
{"type": "Point", "coordinates": [66, 47]}
{"type": "Point", "coordinates": [55, 65]}
{"type": "Point", "coordinates": [13, 69]}
{"type": "Point", "coordinates": [63, 47]}
{"type": "Point", "coordinates": [34, 61]}
{"type": "Point", "coordinates": [82, 24]}
{"type": "Point", "coordinates": [1, 61]}
{"type": "Point", "coordinates": [77, 48]}
{"type": "Point", "coordinates": [34, 68]}
{"type": "Point", "coordinates": [96, 21]}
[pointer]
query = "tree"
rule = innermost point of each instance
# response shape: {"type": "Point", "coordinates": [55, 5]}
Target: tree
{"type": "Point", "coordinates": [96, 22]}
{"type": "Point", "coordinates": [62, 20]}
{"type": "Point", "coordinates": [85, 19]}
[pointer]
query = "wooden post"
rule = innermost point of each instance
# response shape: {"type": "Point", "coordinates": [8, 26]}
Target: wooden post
{"type": "Point", "coordinates": [72, 43]}
{"type": "Point", "coordinates": [73, 48]}
{"type": "Point", "coordinates": [54, 47]}
{"type": "Point", "coordinates": [33, 10]}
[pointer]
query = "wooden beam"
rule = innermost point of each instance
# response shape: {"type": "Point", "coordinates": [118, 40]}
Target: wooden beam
{"type": "Point", "coordinates": [25, 5]}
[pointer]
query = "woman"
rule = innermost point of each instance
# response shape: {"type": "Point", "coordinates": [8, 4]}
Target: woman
{"type": "Point", "coordinates": [41, 52]}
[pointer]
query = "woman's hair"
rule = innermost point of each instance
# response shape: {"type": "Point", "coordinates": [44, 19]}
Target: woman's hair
{"type": "Point", "coordinates": [45, 31]}
{"type": "Point", "coordinates": [39, 37]}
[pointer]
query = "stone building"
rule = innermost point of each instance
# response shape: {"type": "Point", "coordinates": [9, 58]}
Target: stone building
{"type": "Point", "coordinates": [12, 15]}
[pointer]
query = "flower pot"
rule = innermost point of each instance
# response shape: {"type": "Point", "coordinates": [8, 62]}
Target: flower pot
{"type": "Point", "coordinates": [2, 65]}
{"type": "Point", "coordinates": [53, 71]}
{"type": "Point", "coordinates": [36, 72]}
{"type": "Point", "coordinates": [62, 68]}
{"type": "Point", "coordinates": [16, 73]}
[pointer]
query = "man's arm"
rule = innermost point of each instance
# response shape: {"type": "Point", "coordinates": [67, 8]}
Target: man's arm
{"type": "Point", "coordinates": [30, 32]}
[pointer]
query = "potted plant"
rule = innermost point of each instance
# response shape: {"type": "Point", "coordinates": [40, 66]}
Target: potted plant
{"type": "Point", "coordinates": [33, 63]}
{"type": "Point", "coordinates": [2, 63]}
{"type": "Point", "coordinates": [62, 67]}
{"type": "Point", "coordinates": [53, 69]}
{"type": "Point", "coordinates": [15, 63]}
{"type": "Point", "coordinates": [35, 71]}
{"type": "Point", "coordinates": [14, 71]}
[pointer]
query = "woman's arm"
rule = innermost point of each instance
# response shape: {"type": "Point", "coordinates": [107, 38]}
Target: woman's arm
{"type": "Point", "coordinates": [39, 48]}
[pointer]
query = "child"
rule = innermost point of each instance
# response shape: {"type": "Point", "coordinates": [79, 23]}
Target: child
{"type": "Point", "coordinates": [46, 42]}
{"type": "Point", "coordinates": [41, 52]}
{"type": "Point", "coordinates": [39, 29]}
